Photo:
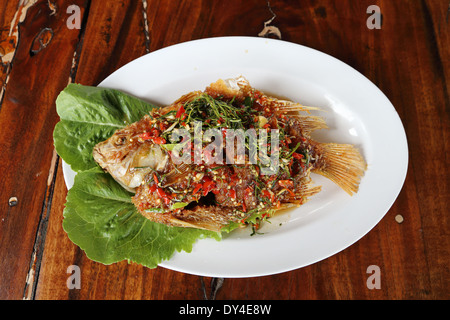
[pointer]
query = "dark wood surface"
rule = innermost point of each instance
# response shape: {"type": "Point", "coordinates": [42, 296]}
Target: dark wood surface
{"type": "Point", "coordinates": [408, 59]}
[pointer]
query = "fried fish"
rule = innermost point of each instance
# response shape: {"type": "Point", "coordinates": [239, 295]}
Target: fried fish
{"type": "Point", "coordinates": [200, 193]}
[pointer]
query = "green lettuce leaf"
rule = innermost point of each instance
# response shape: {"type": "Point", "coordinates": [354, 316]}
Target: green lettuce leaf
{"type": "Point", "coordinates": [99, 216]}
{"type": "Point", "coordinates": [89, 115]}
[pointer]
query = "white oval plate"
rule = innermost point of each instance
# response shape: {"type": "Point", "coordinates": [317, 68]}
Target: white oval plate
{"type": "Point", "coordinates": [354, 108]}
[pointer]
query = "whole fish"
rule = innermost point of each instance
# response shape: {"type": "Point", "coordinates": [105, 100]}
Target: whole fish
{"type": "Point", "coordinates": [244, 188]}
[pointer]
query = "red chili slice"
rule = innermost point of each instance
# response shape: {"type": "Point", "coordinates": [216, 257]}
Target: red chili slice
{"type": "Point", "coordinates": [208, 185]}
{"type": "Point", "coordinates": [197, 187]}
{"type": "Point", "coordinates": [297, 156]}
{"type": "Point", "coordinates": [145, 136]}
{"type": "Point", "coordinates": [180, 112]}
{"type": "Point", "coordinates": [161, 193]}
{"type": "Point", "coordinates": [159, 140]}
{"type": "Point", "coordinates": [291, 192]}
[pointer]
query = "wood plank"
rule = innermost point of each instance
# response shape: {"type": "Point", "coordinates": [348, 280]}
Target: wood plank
{"type": "Point", "coordinates": [120, 281]}
{"type": "Point", "coordinates": [420, 99]}
{"type": "Point", "coordinates": [411, 255]}
{"type": "Point", "coordinates": [12, 13]}
{"type": "Point", "coordinates": [170, 24]}
{"type": "Point", "coordinates": [408, 254]}
{"type": "Point", "coordinates": [113, 35]}
{"type": "Point", "coordinates": [27, 118]}
{"type": "Point", "coordinates": [110, 29]}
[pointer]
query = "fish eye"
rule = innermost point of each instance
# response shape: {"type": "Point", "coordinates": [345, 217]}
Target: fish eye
{"type": "Point", "coordinates": [119, 141]}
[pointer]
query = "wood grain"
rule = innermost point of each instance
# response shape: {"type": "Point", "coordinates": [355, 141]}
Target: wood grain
{"type": "Point", "coordinates": [27, 120]}
{"type": "Point", "coordinates": [408, 59]}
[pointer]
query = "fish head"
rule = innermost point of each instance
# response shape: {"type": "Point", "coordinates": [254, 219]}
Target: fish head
{"type": "Point", "coordinates": [128, 159]}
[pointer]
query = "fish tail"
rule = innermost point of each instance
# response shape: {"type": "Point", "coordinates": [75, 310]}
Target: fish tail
{"type": "Point", "coordinates": [343, 164]}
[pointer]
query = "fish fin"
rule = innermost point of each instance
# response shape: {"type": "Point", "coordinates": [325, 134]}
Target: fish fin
{"type": "Point", "coordinates": [195, 225]}
{"type": "Point", "coordinates": [343, 164]}
{"type": "Point", "coordinates": [284, 106]}
{"type": "Point", "coordinates": [177, 173]}
{"type": "Point", "coordinates": [188, 97]}
{"type": "Point", "coordinates": [202, 217]}
{"type": "Point", "coordinates": [304, 190]}
{"type": "Point", "coordinates": [307, 189]}
{"type": "Point", "coordinates": [310, 123]}
{"type": "Point", "coordinates": [281, 106]}
{"type": "Point", "coordinates": [188, 219]}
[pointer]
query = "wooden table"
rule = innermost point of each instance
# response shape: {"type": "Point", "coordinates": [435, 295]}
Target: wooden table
{"type": "Point", "coordinates": [407, 58]}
